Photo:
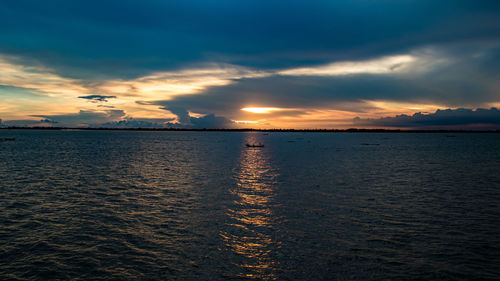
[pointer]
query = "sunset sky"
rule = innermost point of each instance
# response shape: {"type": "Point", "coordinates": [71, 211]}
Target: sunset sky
{"type": "Point", "coordinates": [250, 64]}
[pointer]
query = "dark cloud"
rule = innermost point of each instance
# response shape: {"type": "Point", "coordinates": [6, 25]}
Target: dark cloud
{"type": "Point", "coordinates": [48, 121]}
{"type": "Point", "coordinates": [103, 39]}
{"type": "Point", "coordinates": [209, 121]}
{"type": "Point", "coordinates": [105, 106]}
{"type": "Point", "coordinates": [181, 113]}
{"type": "Point", "coordinates": [97, 98]}
{"type": "Point", "coordinates": [441, 119]}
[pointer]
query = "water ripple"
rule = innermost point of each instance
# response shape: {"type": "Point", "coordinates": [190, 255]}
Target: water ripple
{"type": "Point", "coordinates": [87, 205]}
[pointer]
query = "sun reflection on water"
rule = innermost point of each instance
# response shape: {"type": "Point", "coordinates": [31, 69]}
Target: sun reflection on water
{"type": "Point", "coordinates": [250, 228]}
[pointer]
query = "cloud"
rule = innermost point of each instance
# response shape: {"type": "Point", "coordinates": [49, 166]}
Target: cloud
{"type": "Point", "coordinates": [138, 123]}
{"type": "Point", "coordinates": [213, 57]}
{"type": "Point", "coordinates": [93, 119]}
{"type": "Point", "coordinates": [37, 80]}
{"type": "Point", "coordinates": [136, 38]}
{"type": "Point", "coordinates": [25, 123]}
{"type": "Point", "coordinates": [84, 118]}
{"type": "Point", "coordinates": [342, 93]}
{"type": "Point", "coordinates": [181, 82]}
{"type": "Point", "coordinates": [182, 114]}
{"type": "Point", "coordinates": [442, 77]}
{"type": "Point", "coordinates": [455, 76]}
{"type": "Point", "coordinates": [97, 98]}
{"type": "Point", "coordinates": [209, 121]}
{"type": "Point", "coordinates": [38, 77]}
{"type": "Point", "coordinates": [48, 121]}
{"type": "Point", "coordinates": [390, 64]}
{"type": "Point", "coordinates": [441, 119]}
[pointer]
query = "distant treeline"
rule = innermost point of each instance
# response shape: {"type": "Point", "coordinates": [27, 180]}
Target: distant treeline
{"type": "Point", "coordinates": [350, 130]}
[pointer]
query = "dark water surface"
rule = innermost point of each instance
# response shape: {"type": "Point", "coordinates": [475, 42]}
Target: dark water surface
{"type": "Point", "coordinates": [202, 206]}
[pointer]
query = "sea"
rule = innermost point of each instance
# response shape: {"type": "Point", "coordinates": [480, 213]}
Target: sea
{"type": "Point", "coordinates": [178, 205]}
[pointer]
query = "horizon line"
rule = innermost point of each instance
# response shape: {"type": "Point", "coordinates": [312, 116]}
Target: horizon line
{"type": "Point", "coordinates": [349, 130]}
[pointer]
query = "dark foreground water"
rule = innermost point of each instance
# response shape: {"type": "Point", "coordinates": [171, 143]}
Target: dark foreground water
{"type": "Point", "coordinates": [202, 206]}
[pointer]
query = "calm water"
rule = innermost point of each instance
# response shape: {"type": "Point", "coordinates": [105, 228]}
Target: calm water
{"type": "Point", "coordinates": [202, 206]}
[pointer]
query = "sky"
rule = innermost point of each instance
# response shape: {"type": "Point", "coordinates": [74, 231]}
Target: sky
{"type": "Point", "coordinates": [413, 64]}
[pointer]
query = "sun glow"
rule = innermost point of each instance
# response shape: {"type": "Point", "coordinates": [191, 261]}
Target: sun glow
{"type": "Point", "coordinates": [261, 110]}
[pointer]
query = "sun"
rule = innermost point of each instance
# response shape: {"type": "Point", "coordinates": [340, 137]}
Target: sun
{"type": "Point", "coordinates": [260, 110]}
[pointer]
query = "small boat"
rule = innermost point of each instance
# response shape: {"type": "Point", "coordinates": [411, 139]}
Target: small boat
{"type": "Point", "coordinates": [255, 145]}
{"type": "Point", "coordinates": [7, 139]}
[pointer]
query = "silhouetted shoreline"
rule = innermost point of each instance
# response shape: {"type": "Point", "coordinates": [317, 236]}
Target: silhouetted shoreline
{"type": "Point", "coordinates": [350, 130]}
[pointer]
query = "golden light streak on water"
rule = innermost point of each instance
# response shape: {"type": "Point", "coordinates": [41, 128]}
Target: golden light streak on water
{"type": "Point", "coordinates": [250, 234]}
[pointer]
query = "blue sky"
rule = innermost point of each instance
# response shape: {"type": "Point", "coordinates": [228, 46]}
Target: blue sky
{"type": "Point", "coordinates": [312, 64]}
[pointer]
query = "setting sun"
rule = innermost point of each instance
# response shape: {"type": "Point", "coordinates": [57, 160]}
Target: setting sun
{"type": "Point", "coordinates": [261, 110]}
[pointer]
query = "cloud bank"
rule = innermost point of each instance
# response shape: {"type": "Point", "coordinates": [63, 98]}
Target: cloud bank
{"type": "Point", "coordinates": [83, 118]}
{"type": "Point", "coordinates": [441, 119]}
